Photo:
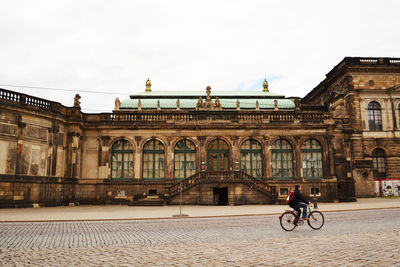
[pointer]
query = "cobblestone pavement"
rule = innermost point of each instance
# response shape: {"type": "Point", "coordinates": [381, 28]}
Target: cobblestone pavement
{"type": "Point", "coordinates": [358, 238]}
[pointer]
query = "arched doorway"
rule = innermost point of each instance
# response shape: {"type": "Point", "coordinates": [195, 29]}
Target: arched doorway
{"type": "Point", "coordinates": [218, 155]}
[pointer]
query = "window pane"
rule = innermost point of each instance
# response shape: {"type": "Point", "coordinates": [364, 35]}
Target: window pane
{"type": "Point", "coordinates": [374, 116]}
{"type": "Point", "coordinates": [251, 155]}
{"type": "Point", "coordinates": [185, 159]}
{"type": "Point", "coordinates": [282, 164]}
{"type": "Point", "coordinates": [122, 160]}
{"type": "Point", "coordinates": [379, 163]}
{"type": "Point", "coordinates": [312, 159]}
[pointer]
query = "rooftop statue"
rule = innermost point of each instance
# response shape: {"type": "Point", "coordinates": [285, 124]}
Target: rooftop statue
{"type": "Point", "coordinates": [117, 103]}
{"type": "Point", "coordinates": [77, 103]}
{"type": "Point", "coordinates": [217, 104]}
{"type": "Point", "coordinates": [208, 104]}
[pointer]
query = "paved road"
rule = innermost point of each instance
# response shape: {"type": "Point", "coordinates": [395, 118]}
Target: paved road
{"type": "Point", "coordinates": [358, 238]}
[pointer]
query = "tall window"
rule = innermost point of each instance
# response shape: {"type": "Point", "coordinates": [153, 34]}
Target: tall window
{"type": "Point", "coordinates": [282, 160]}
{"type": "Point", "coordinates": [251, 155]}
{"type": "Point", "coordinates": [153, 160]}
{"type": "Point", "coordinates": [218, 155]}
{"type": "Point", "coordinates": [374, 116]}
{"type": "Point", "coordinates": [185, 159]}
{"type": "Point", "coordinates": [379, 163]}
{"type": "Point", "coordinates": [311, 151]}
{"type": "Point", "coordinates": [122, 160]}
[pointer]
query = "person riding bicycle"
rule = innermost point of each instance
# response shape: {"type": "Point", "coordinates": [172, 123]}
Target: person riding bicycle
{"type": "Point", "coordinates": [298, 202]}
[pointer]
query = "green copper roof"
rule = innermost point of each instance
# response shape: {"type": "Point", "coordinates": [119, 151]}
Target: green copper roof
{"type": "Point", "coordinates": [170, 103]}
{"type": "Point", "coordinates": [189, 99]}
{"type": "Point", "coordinates": [184, 94]}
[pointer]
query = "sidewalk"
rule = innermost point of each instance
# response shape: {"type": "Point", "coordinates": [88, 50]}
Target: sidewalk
{"type": "Point", "coordinates": [112, 212]}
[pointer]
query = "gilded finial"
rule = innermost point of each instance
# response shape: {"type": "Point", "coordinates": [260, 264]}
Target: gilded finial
{"type": "Point", "coordinates": [265, 85]}
{"type": "Point", "coordinates": [148, 85]}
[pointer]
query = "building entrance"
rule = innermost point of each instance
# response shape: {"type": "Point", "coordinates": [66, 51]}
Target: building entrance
{"type": "Point", "coordinates": [218, 156]}
{"type": "Point", "coordinates": [220, 196]}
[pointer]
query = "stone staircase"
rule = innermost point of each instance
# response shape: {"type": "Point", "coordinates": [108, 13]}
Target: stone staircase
{"type": "Point", "coordinates": [222, 176]}
{"type": "Point", "coordinates": [148, 201]}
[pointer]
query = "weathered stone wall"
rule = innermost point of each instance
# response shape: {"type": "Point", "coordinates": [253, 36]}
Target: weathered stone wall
{"type": "Point", "coordinates": [347, 90]}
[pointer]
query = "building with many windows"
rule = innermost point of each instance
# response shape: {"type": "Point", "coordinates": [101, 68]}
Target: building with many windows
{"type": "Point", "coordinates": [216, 148]}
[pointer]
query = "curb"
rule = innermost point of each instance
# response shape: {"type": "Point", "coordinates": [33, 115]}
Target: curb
{"type": "Point", "coordinates": [185, 218]}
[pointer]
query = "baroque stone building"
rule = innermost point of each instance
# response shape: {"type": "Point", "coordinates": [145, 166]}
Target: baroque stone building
{"type": "Point", "coordinates": [217, 148]}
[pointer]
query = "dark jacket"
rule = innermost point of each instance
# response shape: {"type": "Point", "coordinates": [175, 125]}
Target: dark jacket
{"type": "Point", "coordinates": [297, 198]}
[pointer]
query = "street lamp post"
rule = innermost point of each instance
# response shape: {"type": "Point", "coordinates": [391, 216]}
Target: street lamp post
{"type": "Point", "coordinates": [180, 202]}
{"type": "Point", "coordinates": [314, 186]}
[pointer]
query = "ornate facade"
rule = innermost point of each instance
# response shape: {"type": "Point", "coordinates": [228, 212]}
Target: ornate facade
{"type": "Point", "coordinates": [340, 142]}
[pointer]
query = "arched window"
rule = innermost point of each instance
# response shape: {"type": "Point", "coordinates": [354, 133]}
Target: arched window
{"type": "Point", "coordinates": [379, 163]}
{"type": "Point", "coordinates": [218, 155]}
{"type": "Point", "coordinates": [185, 159]}
{"type": "Point", "coordinates": [122, 160]}
{"type": "Point", "coordinates": [374, 116]}
{"type": "Point", "coordinates": [311, 151]}
{"type": "Point", "coordinates": [250, 161]}
{"type": "Point", "coordinates": [153, 160]}
{"type": "Point", "coordinates": [282, 160]}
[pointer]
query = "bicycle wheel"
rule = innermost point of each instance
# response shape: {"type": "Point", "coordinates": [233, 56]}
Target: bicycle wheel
{"type": "Point", "coordinates": [287, 221]}
{"type": "Point", "coordinates": [316, 220]}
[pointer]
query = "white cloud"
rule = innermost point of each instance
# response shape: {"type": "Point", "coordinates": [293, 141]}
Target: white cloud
{"type": "Point", "coordinates": [185, 45]}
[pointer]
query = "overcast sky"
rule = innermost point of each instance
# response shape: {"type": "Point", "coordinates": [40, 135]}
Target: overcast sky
{"type": "Point", "coordinates": [114, 46]}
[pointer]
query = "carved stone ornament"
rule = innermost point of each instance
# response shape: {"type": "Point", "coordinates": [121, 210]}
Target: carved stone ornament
{"type": "Point", "coordinates": [371, 83]}
{"type": "Point", "coordinates": [208, 104]}
{"type": "Point", "coordinates": [117, 103]}
{"type": "Point", "coordinates": [77, 103]}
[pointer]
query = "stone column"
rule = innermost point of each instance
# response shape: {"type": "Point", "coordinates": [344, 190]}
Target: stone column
{"type": "Point", "coordinates": [169, 160]}
{"type": "Point", "coordinates": [137, 159]}
{"type": "Point", "coordinates": [202, 153]}
{"type": "Point", "coordinates": [21, 165]}
{"type": "Point", "coordinates": [298, 163]}
{"type": "Point", "coordinates": [330, 156]}
{"type": "Point", "coordinates": [72, 156]}
{"type": "Point", "coordinates": [104, 157]}
{"type": "Point", "coordinates": [267, 159]}
{"type": "Point", "coordinates": [53, 147]}
{"type": "Point", "coordinates": [235, 153]}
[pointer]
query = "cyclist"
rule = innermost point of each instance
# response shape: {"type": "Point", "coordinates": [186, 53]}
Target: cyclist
{"type": "Point", "coordinates": [298, 202]}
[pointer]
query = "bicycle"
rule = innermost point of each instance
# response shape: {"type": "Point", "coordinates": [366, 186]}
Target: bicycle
{"type": "Point", "coordinates": [315, 219]}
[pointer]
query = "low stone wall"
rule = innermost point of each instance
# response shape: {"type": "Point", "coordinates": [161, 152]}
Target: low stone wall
{"type": "Point", "coordinates": [24, 191]}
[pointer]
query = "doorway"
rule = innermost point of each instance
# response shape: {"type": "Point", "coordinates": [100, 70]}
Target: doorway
{"type": "Point", "coordinates": [218, 156]}
{"type": "Point", "coordinates": [220, 196]}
